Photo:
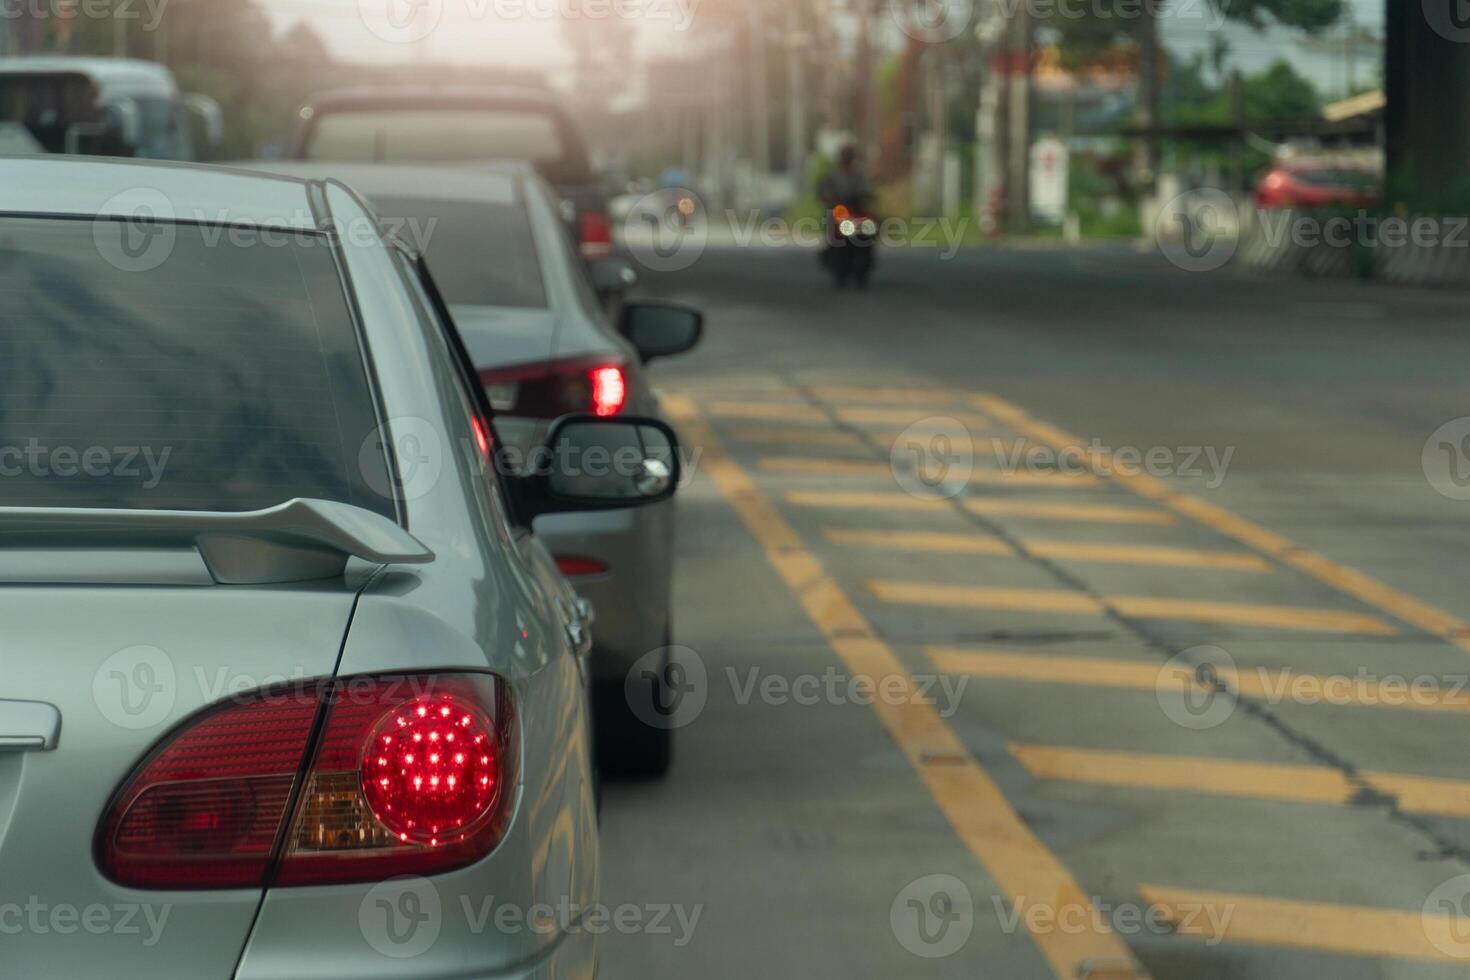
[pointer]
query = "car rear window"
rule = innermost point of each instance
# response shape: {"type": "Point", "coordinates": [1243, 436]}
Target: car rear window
{"type": "Point", "coordinates": [482, 253]}
{"type": "Point", "coordinates": [419, 135]}
{"type": "Point", "coordinates": [179, 367]}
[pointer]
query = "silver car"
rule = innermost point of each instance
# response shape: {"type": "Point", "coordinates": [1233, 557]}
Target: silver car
{"type": "Point", "coordinates": [532, 314]}
{"type": "Point", "coordinates": [290, 688]}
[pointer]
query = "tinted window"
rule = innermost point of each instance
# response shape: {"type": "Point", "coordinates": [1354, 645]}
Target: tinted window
{"type": "Point", "coordinates": [482, 254]}
{"type": "Point", "coordinates": [178, 368]}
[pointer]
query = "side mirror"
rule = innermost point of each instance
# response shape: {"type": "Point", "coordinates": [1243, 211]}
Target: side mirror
{"type": "Point", "coordinates": [612, 276]}
{"type": "Point", "coordinates": [661, 329]}
{"type": "Point", "coordinates": [590, 464]}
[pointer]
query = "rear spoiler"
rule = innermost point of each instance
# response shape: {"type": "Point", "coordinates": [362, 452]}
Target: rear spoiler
{"type": "Point", "coordinates": [298, 541]}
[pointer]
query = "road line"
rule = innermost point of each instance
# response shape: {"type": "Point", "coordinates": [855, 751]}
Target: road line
{"type": "Point", "coordinates": [1131, 607]}
{"type": "Point", "coordinates": [1142, 555]}
{"type": "Point", "coordinates": [806, 466]}
{"type": "Point", "coordinates": [1250, 614]}
{"type": "Point", "coordinates": [1349, 581]}
{"type": "Point", "coordinates": [926, 397]}
{"type": "Point", "coordinates": [861, 500]}
{"type": "Point", "coordinates": [986, 597]}
{"type": "Point", "coordinates": [1344, 930]}
{"type": "Point", "coordinates": [1085, 513]}
{"type": "Point", "coordinates": [934, 542]}
{"type": "Point", "coordinates": [767, 411]}
{"type": "Point", "coordinates": [1276, 686]}
{"type": "Point", "coordinates": [797, 437]}
{"type": "Point", "coordinates": [976, 808]}
{"type": "Point", "coordinates": [1214, 777]}
{"type": "Point", "coordinates": [1280, 782]}
{"type": "Point", "coordinates": [907, 417]}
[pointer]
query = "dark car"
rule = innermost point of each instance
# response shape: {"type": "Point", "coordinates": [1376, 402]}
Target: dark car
{"type": "Point", "coordinates": [434, 124]}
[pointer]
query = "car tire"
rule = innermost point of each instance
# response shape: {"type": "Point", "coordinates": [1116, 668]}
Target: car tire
{"type": "Point", "coordinates": [627, 746]}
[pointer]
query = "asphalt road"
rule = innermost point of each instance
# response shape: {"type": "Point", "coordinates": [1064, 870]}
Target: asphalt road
{"type": "Point", "coordinates": [1191, 703]}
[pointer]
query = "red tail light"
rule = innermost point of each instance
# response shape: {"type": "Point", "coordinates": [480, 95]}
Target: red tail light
{"type": "Point", "coordinates": [405, 775]}
{"type": "Point", "coordinates": [573, 386]}
{"type": "Point", "coordinates": [575, 567]}
{"type": "Point", "coordinates": [594, 234]}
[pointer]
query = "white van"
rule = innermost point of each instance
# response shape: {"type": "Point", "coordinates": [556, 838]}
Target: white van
{"type": "Point", "coordinates": [102, 107]}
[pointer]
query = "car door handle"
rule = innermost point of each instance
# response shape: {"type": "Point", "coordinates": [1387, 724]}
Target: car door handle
{"type": "Point", "coordinates": [27, 726]}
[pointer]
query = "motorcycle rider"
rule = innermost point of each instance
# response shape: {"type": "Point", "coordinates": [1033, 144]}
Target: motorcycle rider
{"type": "Point", "coordinates": [845, 183]}
{"type": "Point", "coordinates": [846, 187]}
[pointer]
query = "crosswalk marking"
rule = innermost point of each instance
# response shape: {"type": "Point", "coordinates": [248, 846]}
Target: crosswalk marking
{"type": "Point", "coordinates": [1018, 861]}
{"type": "Point", "coordinates": [862, 415]}
{"type": "Point", "coordinates": [808, 466]}
{"type": "Point", "coordinates": [1282, 782]}
{"type": "Point", "coordinates": [768, 411]}
{"type": "Point", "coordinates": [1278, 686]}
{"type": "Point", "coordinates": [919, 541]}
{"type": "Point", "coordinates": [776, 435]}
{"type": "Point", "coordinates": [1132, 607]}
{"type": "Point", "coordinates": [1035, 510]}
{"type": "Point", "coordinates": [885, 396]}
{"type": "Point", "coordinates": [1349, 930]}
{"type": "Point", "coordinates": [1084, 513]}
{"type": "Point", "coordinates": [1122, 554]}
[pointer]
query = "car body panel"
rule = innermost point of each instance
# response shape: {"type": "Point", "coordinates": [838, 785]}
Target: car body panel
{"type": "Point", "coordinates": [124, 665]}
{"type": "Point", "coordinates": [471, 609]}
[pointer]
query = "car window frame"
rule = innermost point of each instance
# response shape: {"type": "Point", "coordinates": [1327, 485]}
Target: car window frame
{"type": "Point", "coordinates": [416, 268]}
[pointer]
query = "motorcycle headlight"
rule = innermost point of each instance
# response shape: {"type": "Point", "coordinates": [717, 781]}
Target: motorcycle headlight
{"type": "Point", "coordinates": [848, 227]}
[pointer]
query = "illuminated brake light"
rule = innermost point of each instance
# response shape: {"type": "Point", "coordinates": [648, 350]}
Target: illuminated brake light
{"type": "Point", "coordinates": [482, 435]}
{"type": "Point", "coordinates": [609, 390]}
{"type": "Point", "coordinates": [549, 390]}
{"type": "Point", "coordinates": [408, 775]}
{"type": "Point", "coordinates": [575, 567]}
{"type": "Point", "coordinates": [594, 234]}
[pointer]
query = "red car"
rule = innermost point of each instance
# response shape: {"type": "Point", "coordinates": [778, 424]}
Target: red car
{"type": "Point", "coordinates": [1317, 184]}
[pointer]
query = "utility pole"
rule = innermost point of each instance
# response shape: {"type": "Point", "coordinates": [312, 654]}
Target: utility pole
{"type": "Point", "coordinates": [796, 97]}
{"type": "Point", "coordinates": [760, 121]}
{"type": "Point", "coordinates": [1018, 122]}
{"type": "Point", "coordinates": [1146, 155]}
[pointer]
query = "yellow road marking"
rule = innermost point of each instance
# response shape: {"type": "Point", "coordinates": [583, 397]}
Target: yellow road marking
{"type": "Point", "coordinates": [767, 411]}
{"type": "Point", "coordinates": [1281, 782]}
{"type": "Point", "coordinates": [1142, 555]}
{"type": "Point", "coordinates": [930, 541]}
{"type": "Point", "coordinates": [885, 396]}
{"type": "Point", "coordinates": [1216, 777]}
{"type": "Point", "coordinates": [1347, 580]}
{"type": "Point", "coordinates": [906, 417]}
{"type": "Point", "coordinates": [1087, 513]}
{"type": "Point", "coordinates": [1132, 607]}
{"type": "Point", "coordinates": [1260, 684]}
{"type": "Point", "coordinates": [1350, 930]}
{"type": "Point", "coordinates": [874, 500]}
{"type": "Point", "coordinates": [976, 808]}
{"type": "Point", "coordinates": [807, 466]}
{"type": "Point", "coordinates": [1250, 614]}
{"type": "Point", "coordinates": [796, 437]}
{"type": "Point", "coordinates": [986, 597]}
{"type": "Point", "coordinates": [980, 544]}
{"type": "Point", "coordinates": [859, 500]}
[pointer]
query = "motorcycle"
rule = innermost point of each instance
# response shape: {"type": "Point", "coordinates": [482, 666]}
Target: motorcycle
{"type": "Point", "coordinates": [852, 240]}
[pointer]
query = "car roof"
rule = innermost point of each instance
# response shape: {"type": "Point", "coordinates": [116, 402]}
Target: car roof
{"type": "Point", "coordinates": [389, 95]}
{"type": "Point", "coordinates": [492, 184]}
{"type": "Point", "coordinates": [124, 75]}
{"type": "Point", "coordinates": [100, 187]}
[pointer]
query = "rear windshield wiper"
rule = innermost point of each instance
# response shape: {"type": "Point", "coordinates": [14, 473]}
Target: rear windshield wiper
{"type": "Point", "coordinates": [301, 540]}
